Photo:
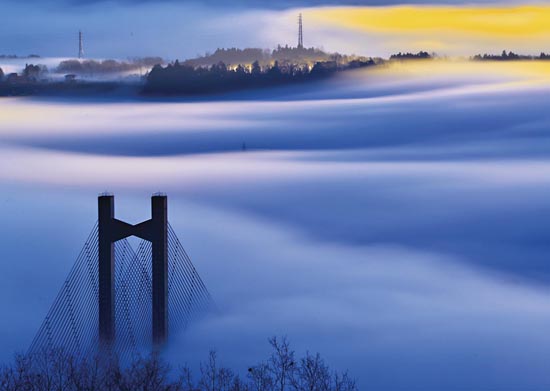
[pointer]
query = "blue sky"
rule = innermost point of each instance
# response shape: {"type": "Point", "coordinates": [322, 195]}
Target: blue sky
{"type": "Point", "coordinates": [183, 29]}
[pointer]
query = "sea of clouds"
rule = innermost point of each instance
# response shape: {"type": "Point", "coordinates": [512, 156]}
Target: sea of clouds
{"type": "Point", "coordinates": [395, 220]}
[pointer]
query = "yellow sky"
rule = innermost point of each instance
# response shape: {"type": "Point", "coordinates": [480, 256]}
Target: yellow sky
{"type": "Point", "coordinates": [495, 21]}
{"type": "Point", "coordinates": [520, 28]}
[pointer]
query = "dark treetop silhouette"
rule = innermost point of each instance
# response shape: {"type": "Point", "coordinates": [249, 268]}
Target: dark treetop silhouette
{"type": "Point", "coordinates": [177, 78]}
{"type": "Point", "coordinates": [510, 56]}
{"type": "Point", "coordinates": [54, 370]}
{"type": "Point", "coordinates": [411, 56]}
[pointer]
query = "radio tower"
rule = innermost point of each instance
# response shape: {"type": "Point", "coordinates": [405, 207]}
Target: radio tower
{"type": "Point", "coordinates": [80, 45]}
{"type": "Point", "coordinates": [300, 33]}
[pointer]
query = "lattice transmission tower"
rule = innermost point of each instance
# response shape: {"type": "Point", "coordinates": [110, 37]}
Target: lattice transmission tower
{"type": "Point", "coordinates": [300, 33]}
{"type": "Point", "coordinates": [80, 45]}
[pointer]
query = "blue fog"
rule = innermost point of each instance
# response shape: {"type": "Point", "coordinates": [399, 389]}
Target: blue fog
{"type": "Point", "coordinates": [394, 220]}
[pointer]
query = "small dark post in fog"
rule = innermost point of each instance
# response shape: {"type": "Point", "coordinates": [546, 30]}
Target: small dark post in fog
{"type": "Point", "coordinates": [154, 230]}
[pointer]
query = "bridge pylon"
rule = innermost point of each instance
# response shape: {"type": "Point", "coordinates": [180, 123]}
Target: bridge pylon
{"type": "Point", "coordinates": [155, 230]}
{"type": "Point", "coordinates": [119, 301]}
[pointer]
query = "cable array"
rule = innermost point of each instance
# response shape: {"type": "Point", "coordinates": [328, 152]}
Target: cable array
{"type": "Point", "coordinates": [187, 294]}
{"type": "Point", "coordinates": [72, 321]}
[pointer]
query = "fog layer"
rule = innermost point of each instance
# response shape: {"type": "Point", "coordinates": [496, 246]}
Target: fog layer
{"type": "Point", "coordinates": [393, 219]}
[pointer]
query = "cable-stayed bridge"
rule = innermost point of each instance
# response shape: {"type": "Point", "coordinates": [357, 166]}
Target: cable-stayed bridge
{"type": "Point", "coordinates": [123, 301]}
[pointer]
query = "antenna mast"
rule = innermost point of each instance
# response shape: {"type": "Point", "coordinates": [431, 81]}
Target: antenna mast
{"type": "Point", "coordinates": [300, 33]}
{"type": "Point", "coordinates": [80, 45]}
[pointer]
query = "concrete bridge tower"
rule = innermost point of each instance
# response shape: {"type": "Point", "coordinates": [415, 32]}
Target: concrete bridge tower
{"type": "Point", "coordinates": [154, 230]}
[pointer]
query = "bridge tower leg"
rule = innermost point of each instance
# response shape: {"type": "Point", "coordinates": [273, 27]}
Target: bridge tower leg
{"type": "Point", "coordinates": [159, 239]}
{"type": "Point", "coordinates": [154, 230]}
{"type": "Point", "coordinates": [106, 212]}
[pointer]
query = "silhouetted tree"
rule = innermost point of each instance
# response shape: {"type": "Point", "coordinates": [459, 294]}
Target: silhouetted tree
{"type": "Point", "coordinates": [240, 71]}
{"type": "Point", "coordinates": [238, 385]}
{"type": "Point", "coordinates": [179, 78]}
{"type": "Point", "coordinates": [91, 67]}
{"type": "Point", "coordinates": [186, 379]}
{"type": "Point", "coordinates": [410, 56]}
{"type": "Point", "coordinates": [232, 56]}
{"type": "Point", "coordinates": [281, 362]}
{"type": "Point", "coordinates": [507, 56]}
{"type": "Point", "coordinates": [213, 377]}
{"type": "Point", "coordinates": [259, 377]}
{"type": "Point", "coordinates": [343, 382]}
{"type": "Point", "coordinates": [56, 370]}
{"type": "Point", "coordinates": [219, 69]}
{"type": "Point", "coordinates": [275, 72]}
{"type": "Point", "coordinates": [324, 68]}
{"type": "Point", "coordinates": [32, 72]}
{"type": "Point", "coordinates": [256, 69]}
{"type": "Point", "coordinates": [311, 374]}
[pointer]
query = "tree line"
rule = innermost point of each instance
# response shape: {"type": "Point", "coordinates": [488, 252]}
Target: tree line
{"type": "Point", "coordinates": [14, 56]}
{"type": "Point", "coordinates": [33, 73]}
{"type": "Point", "coordinates": [411, 56]}
{"type": "Point", "coordinates": [177, 78]}
{"type": "Point", "coordinates": [282, 54]}
{"type": "Point", "coordinates": [94, 67]}
{"type": "Point", "coordinates": [509, 56]}
{"type": "Point", "coordinates": [30, 74]}
{"type": "Point", "coordinates": [56, 370]}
